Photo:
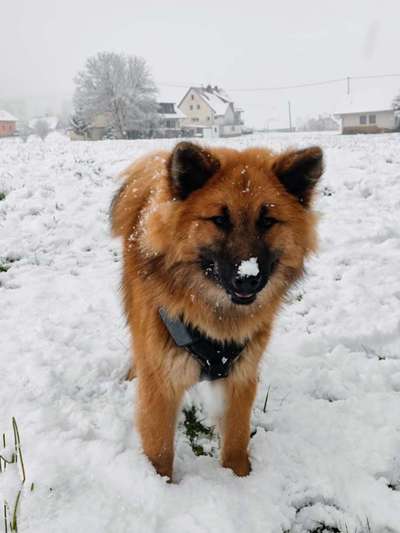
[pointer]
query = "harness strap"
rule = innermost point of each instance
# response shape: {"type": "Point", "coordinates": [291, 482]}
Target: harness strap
{"type": "Point", "coordinates": [215, 358]}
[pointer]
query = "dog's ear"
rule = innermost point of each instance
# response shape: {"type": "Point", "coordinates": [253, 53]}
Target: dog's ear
{"type": "Point", "coordinates": [189, 167]}
{"type": "Point", "coordinates": [299, 171]}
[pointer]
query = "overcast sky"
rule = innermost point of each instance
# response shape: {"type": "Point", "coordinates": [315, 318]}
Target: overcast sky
{"type": "Point", "coordinates": [236, 45]}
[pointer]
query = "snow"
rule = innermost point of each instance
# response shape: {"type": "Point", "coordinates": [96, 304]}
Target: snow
{"type": "Point", "coordinates": [5, 116]}
{"type": "Point", "coordinates": [326, 449]}
{"type": "Point", "coordinates": [248, 268]}
{"type": "Point", "coordinates": [216, 99]}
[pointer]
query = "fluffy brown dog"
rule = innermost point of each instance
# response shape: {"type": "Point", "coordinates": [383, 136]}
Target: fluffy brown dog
{"type": "Point", "coordinates": [212, 238]}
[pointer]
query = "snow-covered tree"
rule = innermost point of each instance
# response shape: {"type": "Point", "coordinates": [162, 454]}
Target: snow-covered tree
{"type": "Point", "coordinates": [79, 124]}
{"type": "Point", "coordinates": [396, 107]}
{"type": "Point", "coordinates": [396, 102]}
{"type": "Point", "coordinates": [119, 87]}
{"type": "Point", "coordinates": [23, 131]}
{"type": "Point", "coordinates": [320, 123]}
{"type": "Point", "coordinates": [41, 128]}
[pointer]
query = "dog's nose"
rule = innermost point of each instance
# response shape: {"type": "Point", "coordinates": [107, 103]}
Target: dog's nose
{"type": "Point", "coordinates": [246, 284]}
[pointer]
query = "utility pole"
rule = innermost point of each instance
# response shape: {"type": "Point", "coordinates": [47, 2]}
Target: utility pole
{"type": "Point", "coordinates": [348, 85]}
{"type": "Point", "coordinates": [290, 117]}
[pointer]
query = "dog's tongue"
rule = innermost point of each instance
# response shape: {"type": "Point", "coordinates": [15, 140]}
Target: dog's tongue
{"type": "Point", "coordinates": [243, 295]}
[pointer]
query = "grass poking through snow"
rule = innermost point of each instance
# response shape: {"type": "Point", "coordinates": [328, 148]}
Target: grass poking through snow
{"type": "Point", "coordinates": [197, 433]}
{"type": "Point", "coordinates": [10, 514]}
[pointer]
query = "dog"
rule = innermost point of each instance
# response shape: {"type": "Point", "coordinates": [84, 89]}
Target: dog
{"type": "Point", "coordinates": [213, 238]}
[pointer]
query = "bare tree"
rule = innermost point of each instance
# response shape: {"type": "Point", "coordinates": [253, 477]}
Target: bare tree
{"type": "Point", "coordinates": [41, 128]}
{"type": "Point", "coordinates": [119, 87]}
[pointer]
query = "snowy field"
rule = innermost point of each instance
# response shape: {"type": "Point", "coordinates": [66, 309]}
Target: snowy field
{"type": "Point", "coordinates": [326, 452]}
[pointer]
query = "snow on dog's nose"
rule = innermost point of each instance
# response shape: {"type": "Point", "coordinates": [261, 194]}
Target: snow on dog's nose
{"type": "Point", "coordinates": [247, 279]}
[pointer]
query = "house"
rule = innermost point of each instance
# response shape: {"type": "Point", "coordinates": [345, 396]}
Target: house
{"type": "Point", "coordinates": [170, 120]}
{"type": "Point", "coordinates": [8, 124]}
{"type": "Point", "coordinates": [368, 115]}
{"type": "Point", "coordinates": [209, 111]}
{"type": "Point", "coordinates": [98, 129]}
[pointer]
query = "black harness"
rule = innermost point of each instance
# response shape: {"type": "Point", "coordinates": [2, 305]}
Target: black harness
{"type": "Point", "coordinates": [216, 358]}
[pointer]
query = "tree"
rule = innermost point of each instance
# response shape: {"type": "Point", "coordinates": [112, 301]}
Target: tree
{"type": "Point", "coordinates": [320, 123]}
{"type": "Point", "coordinates": [41, 128]}
{"type": "Point", "coordinates": [119, 87]}
{"type": "Point", "coordinates": [396, 102]}
{"type": "Point", "coordinates": [396, 107]}
{"type": "Point", "coordinates": [23, 131]}
{"type": "Point", "coordinates": [79, 124]}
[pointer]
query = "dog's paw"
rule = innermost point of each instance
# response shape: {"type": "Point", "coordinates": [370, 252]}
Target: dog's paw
{"type": "Point", "coordinates": [240, 464]}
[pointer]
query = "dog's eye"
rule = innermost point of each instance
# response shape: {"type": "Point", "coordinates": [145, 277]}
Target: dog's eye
{"type": "Point", "coordinates": [219, 221]}
{"type": "Point", "coordinates": [222, 221]}
{"type": "Point", "coordinates": [264, 223]}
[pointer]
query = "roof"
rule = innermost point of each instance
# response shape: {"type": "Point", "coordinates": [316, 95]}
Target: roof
{"type": "Point", "coordinates": [5, 116]}
{"type": "Point", "coordinates": [169, 110]}
{"type": "Point", "coordinates": [215, 97]}
{"type": "Point", "coordinates": [369, 102]}
{"type": "Point", "coordinates": [52, 122]}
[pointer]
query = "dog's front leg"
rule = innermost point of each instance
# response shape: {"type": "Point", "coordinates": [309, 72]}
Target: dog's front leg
{"type": "Point", "coordinates": [239, 397]}
{"type": "Point", "coordinates": [158, 404]}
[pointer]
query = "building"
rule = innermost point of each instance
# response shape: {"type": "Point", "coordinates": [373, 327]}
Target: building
{"type": "Point", "coordinates": [98, 129]}
{"type": "Point", "coordinates": [369, 116]}
{"type": "Point", "coordinates": [8, 124]}
{"type": "Point", "coordinates": [209, 111]}
{"type": "Point", "coordinates": [170, 120]}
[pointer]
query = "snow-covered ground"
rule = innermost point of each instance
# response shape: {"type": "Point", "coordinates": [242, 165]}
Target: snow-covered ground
{"type": "Point", "coordinates": [326, 453]}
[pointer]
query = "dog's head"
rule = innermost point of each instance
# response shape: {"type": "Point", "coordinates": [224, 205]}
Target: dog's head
{"type": "Point", "coordinates": [238, 224]}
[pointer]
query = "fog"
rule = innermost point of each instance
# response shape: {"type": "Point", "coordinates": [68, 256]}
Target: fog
{"type": "Point", "coordinates": [240, 45]}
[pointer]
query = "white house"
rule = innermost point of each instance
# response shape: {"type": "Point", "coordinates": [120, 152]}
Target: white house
{"type": "Point", "coordinates": [374, 115]}
{"type": "Point", "coordinates": [211, 112]}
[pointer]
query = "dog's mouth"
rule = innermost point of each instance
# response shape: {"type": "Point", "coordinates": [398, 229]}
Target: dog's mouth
{"type": "Point", "coordinates": [242, 298]}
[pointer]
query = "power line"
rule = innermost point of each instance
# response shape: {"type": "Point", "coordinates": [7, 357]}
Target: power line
{"type": "Point", "coordinates": [285, 87]}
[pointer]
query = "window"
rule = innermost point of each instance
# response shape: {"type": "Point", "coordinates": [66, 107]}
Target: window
{"type": "Point", "coordinates": [372, 119]}
{"type": "Point", "coordinates": [363, 119]}
{"type": "Point", "coordinates": [192, 96]}
{"type": "Point", "coordinates": [195, 119]}
{"type": "Point", "coordinates": [198, 106]}
{"type": "Point", "coordinates": [191, 108]}
{"type": "Point", "coordinates": [208, 118]}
